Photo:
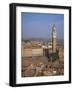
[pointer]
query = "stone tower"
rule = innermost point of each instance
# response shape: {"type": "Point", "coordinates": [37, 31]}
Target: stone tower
{"type": "Point", "coordinates": [54, 38]}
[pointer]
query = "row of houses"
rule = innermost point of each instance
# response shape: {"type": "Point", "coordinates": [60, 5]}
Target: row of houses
{"type": "Point", "coordinates": [35, 50]}
{"type": "Point", "coordinates": [28, 52]}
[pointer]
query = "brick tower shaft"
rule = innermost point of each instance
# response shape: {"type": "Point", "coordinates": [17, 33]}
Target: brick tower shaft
{"type": "Point", "coordinates": [54, 38]}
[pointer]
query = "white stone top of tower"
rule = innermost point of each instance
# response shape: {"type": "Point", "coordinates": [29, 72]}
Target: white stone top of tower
{"type": "Point", "coordinates": [54, 31]}
{"type": "Point", "coordinates": [54, 27]}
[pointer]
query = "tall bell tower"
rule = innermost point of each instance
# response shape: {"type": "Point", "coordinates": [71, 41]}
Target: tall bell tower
{"type": "Point", "coordinates": [54, 38]}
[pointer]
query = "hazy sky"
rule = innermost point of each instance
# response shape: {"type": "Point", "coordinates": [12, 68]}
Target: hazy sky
{"type": "Point", "coordinates": [39, 25]}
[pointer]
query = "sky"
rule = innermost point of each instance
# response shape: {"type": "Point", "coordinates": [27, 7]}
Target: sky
{"type": "Point", "coordinates": [39, 25]}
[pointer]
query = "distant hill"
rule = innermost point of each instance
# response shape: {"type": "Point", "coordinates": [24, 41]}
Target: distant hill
{"type": "Point", "coordinates": [59, 41]}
